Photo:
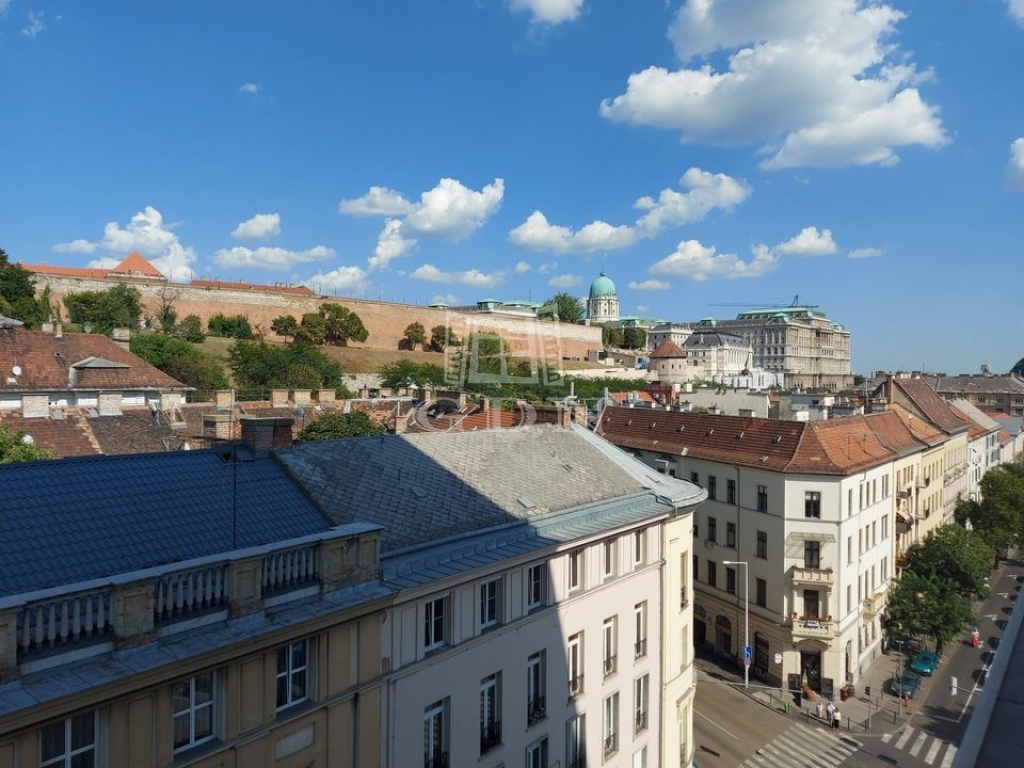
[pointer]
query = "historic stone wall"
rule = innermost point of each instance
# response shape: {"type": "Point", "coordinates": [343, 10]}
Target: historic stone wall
{"type": "Point", "coordinates": [385, 322]}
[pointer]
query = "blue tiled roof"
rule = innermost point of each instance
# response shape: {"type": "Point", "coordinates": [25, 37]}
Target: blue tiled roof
{"type": "Point", "coordinates": [86, 518]}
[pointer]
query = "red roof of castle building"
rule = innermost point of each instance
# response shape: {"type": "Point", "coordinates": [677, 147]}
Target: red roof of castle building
{"type": "Point", "coordinates": [223, 285]}
{"type": "Point", "coordinates": [135, 264]}
{"type": "Point", "coordinates": [668, 349]}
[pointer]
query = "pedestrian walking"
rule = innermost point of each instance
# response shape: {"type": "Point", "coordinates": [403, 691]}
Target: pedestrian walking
{"type": "Point", "coordinates": [837, 719]}
{"type": "Point", "coordinates": [821, 710]}
{"type": "Point", "coordinates": [830, 710]}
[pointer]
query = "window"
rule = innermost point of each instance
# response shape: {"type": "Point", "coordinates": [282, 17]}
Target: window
{"type": "Point", "coordinates": [730, 534]}
{"type": "Point", "coordinates": [762, 498]}
{"type": "Point", "coordinates": [849, 549]}
{"type": "Point", "coordinates": [762, 544]}
{"type": "Point", "coordinates": [730, 580]}
{"type": "Point", "coordinates": [192, 702]}
{"type": "Point", "coordinates": [812, 504]}
{"type": "Point", "coordinates": [434, 617]}
{"type": "Point", "coordinates": [536, 586]}
{"type": "Point", "coordinates": [609, 558]}
{"type": "Point", "coordinates": [610, 657]}
{"type": "Point", "coordinates": [695, 478]}
{"type": "Point", "coordinates": [536, 703]}
{"type": "Point", "coordinates": [696, 568]}
{"type": "Point", "coordinates": [641, 694]}
{"type": "Point", "coordinates": [70, 743]}
{"type": "Point", "coordinates": [537, 754]}
{"type": "Point", "coordinates": [575, 742]}
{"type": "Point", "coordinates": [610, 724]}
{"type": "Point", "coordinates": [490, 719]}
{"type": "Point", "coordinates": [712, 529]}
{"type": "Point", "coordinates": [812, 554]}
{"type": "Point", "coordinates": [874, 533]}
{"type": "Point", "coordinates": [575, 569]}
{"type": "Point", "coordinates": [730, 491]}
{"type": "Point", "coordinates": [712, 575]}
{"type": "Point", "coordinates": [640, 758]}
{"type": "Point", "coordinates": [712, 487]}
{"type": "Point", "coordinates": [575, 665]}
{"type": "Point", "coordinates": [640, 644]}
{"type": "Point", "coordinates": [292, 677]}
{"type": "Point", "coordinates": [684, 574]}
{"type": "Point", "coordinates": [639, 547]}
{"type": "Point", "coordinates": [761, 587]}
{"type": "Point", "coordinates": [489, 600]}
{"type": "Point", "coordinates": [435, 735]}
{"type": "Point", "coordinates": [811, 603]}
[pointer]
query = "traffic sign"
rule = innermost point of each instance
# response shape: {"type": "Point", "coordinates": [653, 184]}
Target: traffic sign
{"type": "Point", "coordinates": [746, 653]}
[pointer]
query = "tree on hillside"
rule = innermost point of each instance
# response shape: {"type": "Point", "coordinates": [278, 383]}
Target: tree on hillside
{"type": "Point", "coordinates": [19, 447]}
{"type": "Point", "coordinates": [611, 337]}
{"type": "Point", "coordinates": [180, 360]}
{"type": "Point", "coordinates": [335, 426]}
{"type": "Point", "coordinates": [258, 367]}
{"type": "Point", "coordinates": [634, 338]}
{"type": "Point", "coordinates": [343, 325]}
{"type": "Point", "coordinates": [285, 325]}
{"type": "Point", "coordinates": [442, 337]}
{"type": "Point", "coordinates": [312, 328]}
{"type": "Point", "coordinates": [166, 315]}
{"type": "Point", "coordinates": [230, 327]}
{"type": "Point", "coordinates": [415, 334]}
{"type": "Point", "coordinates": [116, 307]}
{"type": "Point", "coordinates": [406, 373]}
{"type": "Point", "coordinates": [564, 307]}
{"type": "Point", "coordinates": [190, 329]}
{"type": "Point", "coordinates": [18, 295]}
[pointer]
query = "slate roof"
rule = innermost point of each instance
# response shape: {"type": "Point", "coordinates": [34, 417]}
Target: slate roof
{"type": "Point", "coordinates": [428, 486]}
{"type": "Point", "coordinates": [834, 446]}
{"type": "Point", "coordinates": [977, 385]}
{"type": "Point", "coordinates": [88, 518]}
{"type": "Point", "coordinates": [700, 338]}
{"type": "Point", "coordinates": [51, 363]}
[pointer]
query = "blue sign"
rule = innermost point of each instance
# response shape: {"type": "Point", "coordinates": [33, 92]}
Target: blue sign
{"type": "Point", "coordinates": [746, 653]}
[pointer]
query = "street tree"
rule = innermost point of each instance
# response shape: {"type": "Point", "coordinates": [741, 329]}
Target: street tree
{"type": "Point", "coordinates": [18, 446]}
{"type": "Point", "coordinates": [920, 605]}
{"type": "Point", "coordinates": [335, 426]}
{"type": "Point", "coordinates": [954, 553]}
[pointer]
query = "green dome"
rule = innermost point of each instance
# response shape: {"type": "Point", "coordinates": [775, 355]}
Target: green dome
{"type": "Point", "coordinates": [602, 286]}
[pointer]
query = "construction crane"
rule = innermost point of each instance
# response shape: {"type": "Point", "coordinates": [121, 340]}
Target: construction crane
{"type": "Point", "coordinates": [767, 304]}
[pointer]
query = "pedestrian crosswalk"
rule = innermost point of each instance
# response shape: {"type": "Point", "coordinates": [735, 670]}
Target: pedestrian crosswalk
{"type": "Point", "coordinates": [930, 749]}
{"type": "Point", "coordinates": [804, 746]}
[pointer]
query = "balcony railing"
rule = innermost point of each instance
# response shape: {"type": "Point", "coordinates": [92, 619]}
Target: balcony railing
{"type": "Point", "coordinates": [54, 624]}
{"type": "Point", "coordinates": [640, 648]}
{"type": "Point", "coordinates": [809, 626]}
{"type": "Point", "coordinates": [611, 743]}
{"type": "Point", "coordinates": [490, 735]}
{"type": "Point", "coordinates": [291, 569]}
{"type": "Point", "coordinates": [610, 665]}
{"type": "Point", "coordinates": [536, 709]}
{"type": "Point", "coordinates": [641, 722]}
{"type": "Point", "coordinates": [575, 686]}
{"type": "Point", "coordinates": [812, 575]}
{"type": "Point", "coordinates": [187, 593]}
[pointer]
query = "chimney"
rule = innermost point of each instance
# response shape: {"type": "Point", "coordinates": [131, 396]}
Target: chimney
{"type": "Point", "coordinates": [218, 425]}
{"type": "Point", "coordinates": [224, 399]}
{"type": "Point", "coordinates": [485, 403]}
{"type": "Point", "coordinates": [58, 330]}
{"type": "Point", "coordinates": [326, 396]}
{"type": "Point", "coordinates": [266, 433]}
{"type": "Point", "coordinates": [278, 398]}
{"type": "Point", "coordinates": [301, 397]}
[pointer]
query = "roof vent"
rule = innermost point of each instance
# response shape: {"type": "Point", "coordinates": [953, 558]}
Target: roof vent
{"type": "Point", "coordinates": [777, 439]}
{"type": "Point", "coordinates": [418, 492]}
{"type": "Point", "coordinates": [711, 431]}
{"type": "Point", "coordinates": [652, 425]}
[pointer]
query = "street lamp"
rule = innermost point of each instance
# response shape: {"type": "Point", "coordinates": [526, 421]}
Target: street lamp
{"type": "Point", "coordinates": [746, 619]}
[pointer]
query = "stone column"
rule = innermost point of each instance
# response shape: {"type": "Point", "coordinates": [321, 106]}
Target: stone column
{"type": "Point", "coordinates": [132, 605]}
{"type": "Point", "coordinates": [245, 587]}
{"type": "Point", "coordinates": [9, 640]}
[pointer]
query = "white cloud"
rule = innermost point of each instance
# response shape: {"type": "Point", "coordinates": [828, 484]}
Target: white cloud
{"type": "Point", "coordinates": [694, 261]}
{"type": "Point", "coordinates": [810, 242]}
{"type": "Point", "coordinates": [817, 84]}
{"type": "Point", "coordinates": [565, 281]}
{"type": "Point", "coordinates": [522, 268]}
{"type": "Point", "coordinates": [253, 89]}
{"type": "Point", "coordinates": [864, 253]}
{"type": "Point", "coordinates": [1016, 9]}
{"type": "Point", "coordinates": [537, 234]}
{"type": "Point", "coordinates": [105, 262]}
{"type": "Point", "coordinates": [343, 280]}
{"type": "Point", "coordinates": [454, 211]}
{"type": "Point", "coordinates": [379, 201]}
{"type": "Point", "coordinates": [548, 11]}
{"type": "Point", "coordinates": [706, 191]}
{"type": "Point", "coordinates": [264, 257]}
{"type": "Point", "coordinates": [445, 298]}
{"type": "Point", "coordinates": [4, 5]}
{"type": "Point", "coordinates": [650, 285]}
{"type": "Point", "coordinates": [259, 227]}
{"type": "Point", "coordinates": [35, 24]}
{"type": "Point", "coordinates": [470, 277]}
{"type": "Point", "coordinates": [547, 268]}
{"type": "Point", "coordinates": [1015, 169]}
{"type": "Point", "coordinates": [390, 245]}
{"type": "Point", "coordinates": [642, 308]}
{"type": "Point", "coordinates": [75, 246]}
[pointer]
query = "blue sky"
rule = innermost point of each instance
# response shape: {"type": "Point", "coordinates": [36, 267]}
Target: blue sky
{"type": "Point", "coordinates": [708, 155]}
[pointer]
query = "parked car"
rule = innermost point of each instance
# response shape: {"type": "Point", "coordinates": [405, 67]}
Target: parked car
{"type": "Point", "coordinates": [924, 662]}
{"type": "Point", "coordinates": [905, 683]}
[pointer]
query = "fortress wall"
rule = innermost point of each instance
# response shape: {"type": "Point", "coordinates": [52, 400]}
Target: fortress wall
{"type": "Point", "coordinates": [385, 322]}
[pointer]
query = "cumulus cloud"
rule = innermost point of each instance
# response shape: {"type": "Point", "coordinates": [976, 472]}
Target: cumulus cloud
{"type": "Point", "coordinates": [537, 234]}
{"type": "Point", "coordinates": [864, 253]}
{"type": "Point", "coordinates": [445, 298]}
{"type": "Point", "coordinates": [253, 89]}
{"type": "Point", "coordinates": [1015, 169]}
{"type": "Point", "coordinates": [259, 227]}
{"type": "Point", "coordinates": [241, 257]}
{"type": "Point", "coordinates": [548, 11]}
{"type": "Point", "coordinates": [522, 268]}
{"type": "Point", "coordinates": [650, 285]}
{"type": "Point", "coordinates": [565, 281]}
{"type": "Point", "coordinates": [694, 261]}
{"type": "Point", "coordinates": [1016, 9]}
{"type": "Point", "coordinates": [706, 191]}
{"type": "Point", "coordinates": [146, 233]}
{"type": "Point", "coordinates": [391, 244]}
{"type": "Point", "coordinates": [811, 84]}
{"type": "Point", "coordinates": [343, 280]}
{"type": "Point", "coordinates": [810, 242]}
{"type": "Point", "coordinates": [35, 24]}
{"type": "Point", "coordinates": [379, 201]}
{"type": "Point", "coordinates": [470, 277]}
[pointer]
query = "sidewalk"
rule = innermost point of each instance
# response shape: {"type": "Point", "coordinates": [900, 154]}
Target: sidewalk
{"type": "Point", "coordinates": [878, 714]}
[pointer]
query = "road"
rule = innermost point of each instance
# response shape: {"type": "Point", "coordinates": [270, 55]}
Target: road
{"type": "Point", "coordinates": [732, 730]}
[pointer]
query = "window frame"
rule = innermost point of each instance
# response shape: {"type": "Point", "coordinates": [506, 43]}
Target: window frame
{"type": "Point", "coordinates": [193, 710]}
{"type": "Point", "coordinates": [290, 673]}
{"type": "Point", "coordinates": [762, 498]}
{"type": "Point", "coordinates": [490, 603]}
{"type": "Point", "coordinates": [435, 726]}
{"type": "Point", "coordinates": [575, 665]}
{"type": "Point", "coordinates": [610, 724]}
{"type": "Point", "coordinates": [609, 558]}
{"type": "Point", "coordinates": [536, 687]}
{"type": "Point", "coordinates": [490, 712]}
{"type": "Point", "coordinates": [640, 628]}
{"type": "Point", "coordinates": [609, 645]}
{"type": "Point", "coordinates": [576, 569]}
{"type": "Point", "coordinates": [536, 588]}
{"type": "Point", "coordinates": [433, 624]}
{"type": "Point", "coordinates": [730, 534]}
{"type": "Point", "coordinates": [730, 491]}
{"type": "Point", "coordinates": [67, 729]}
{"type": "Point", "coordinates": [641, 702]}
{"type": "Point", "coordinates": [762, 545]}
{"type": "Point", "coordinates": [812, 504]}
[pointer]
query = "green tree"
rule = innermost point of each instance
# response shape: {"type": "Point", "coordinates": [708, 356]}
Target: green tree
{"type": "Point", "coordinates": [117, 307]}
{"type": "Point", "coordinates": [999, 517]}
{"type": "Point", "coordinates": [415, 334]}
{"type": "Point", "coordinates": [335, 426]}
{"type": "Point", "coordinates": [343, 325]}
{"type": "Point", "coordinates": [441, 337]}
{"type": "Point", "coordinates": [563, 307]}
{"type": "Point", "coordinates": [313, 328]}
{"type": "Point", "coordinates": [230, 327]}
{"type": "Point", "coordinates": [258, 366]}
{"type": "Point", "coordinates": [166, 315]}
{"type": "Point", "coordinates": [18, 294]}
{"type": "Point", "coordinates": [634, 338]}
{"type": "Point", "coordinates": [190, 329]}
{"type": "Point", "coordinates": [285, 325]}
{"type": "Point", "coordinates": [180, 360]}
{"type": "Point", "coordinates": [953, 553]}
{"type": "Point", "coordinates": [930, 606]}
{"type": "Point", "coordinates": [611, 337]}
{"type": "Point", "coordinates": [406, 373]}
{"type": "Point", "coordinates": [19, 447]}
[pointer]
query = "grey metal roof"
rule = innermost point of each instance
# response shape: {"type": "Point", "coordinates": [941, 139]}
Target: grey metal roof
{"type": "Point", "coordinates": [429, 486]}
{"type": "Point", "coordinates": [86, 518]}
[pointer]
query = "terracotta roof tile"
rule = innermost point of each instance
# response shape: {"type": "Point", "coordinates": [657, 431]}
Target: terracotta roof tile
{"type": "Point", "coordinates": [135, 264]}
{"type": "Point", "coordinates": [68, 436]}
{"type": "Point", "coordinates": [668, 349]}
{"type": "Point", "coordinates": [930, 404]}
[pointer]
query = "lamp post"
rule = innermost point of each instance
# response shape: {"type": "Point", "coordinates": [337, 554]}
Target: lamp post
{"type": "Point", "coordinates": [746, 619]}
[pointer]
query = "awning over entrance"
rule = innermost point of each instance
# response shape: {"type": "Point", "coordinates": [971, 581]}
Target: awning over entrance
{"type": "Point", "coordinates": [802, 536]}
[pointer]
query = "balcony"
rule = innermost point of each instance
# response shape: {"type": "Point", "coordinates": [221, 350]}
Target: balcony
{"type": "Point", "coordinates": [640, 648]}
{"type": "Point", "coordinates": [874, 604]}
{"type": "Point", "coordinates": [611, 744]}
{"type": "Point", "coordinates": [575, 687]}
{"type": "Point", "coordinates": [818, 576]}
{"type": "Point", "coordinates": [536, 710]}
{"type": "Point", "coordinates": [490, 735]}
{"type": "Point", "coordinates": [641, 722]}
{"type": "Point", "coordinates": [808, 627]}
{"type": "Point", "coordinates": [610, 665]}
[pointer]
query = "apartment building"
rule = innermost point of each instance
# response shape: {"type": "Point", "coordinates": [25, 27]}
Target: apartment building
{"type": "Point", "coordinates": [989, 393]}
{"type": "Point", "coordinates": [528, 566]}
{"type": "Point", "coordinates": [804, 515]}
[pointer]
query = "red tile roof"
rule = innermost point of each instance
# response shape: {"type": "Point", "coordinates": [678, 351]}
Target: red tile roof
{"type": "Point", "coordinates": [668, 349]}
{"type": "Point", "coordinates": [135, 264]}
{"type": "Point", "coordinates": [296, 290]}
{"type": "Point", "coordinates": [929, 404]}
